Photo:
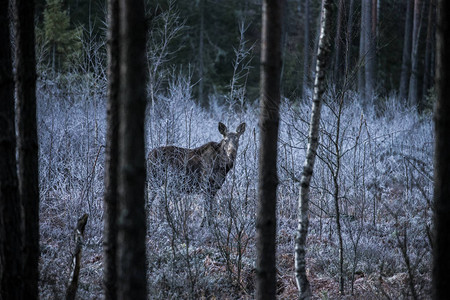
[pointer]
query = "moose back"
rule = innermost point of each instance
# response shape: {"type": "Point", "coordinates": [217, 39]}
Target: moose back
{"type": "Point", "coordinates": [199, 170]}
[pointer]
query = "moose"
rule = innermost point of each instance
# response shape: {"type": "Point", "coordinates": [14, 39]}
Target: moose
{"type": "Point", "coordinates": [200, 170]}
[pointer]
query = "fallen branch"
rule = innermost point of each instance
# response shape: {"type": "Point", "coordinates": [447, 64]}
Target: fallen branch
{"type": "Point", "coordinates": [76, 259]}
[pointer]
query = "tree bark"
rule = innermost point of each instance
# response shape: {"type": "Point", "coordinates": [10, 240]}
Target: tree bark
{"type": "Point", "coordinates": [11, 260]}
{"type": "Point", "coordinates": [313, 65]}
{"type": "Point", "coordinates": [362, 51]}
{"type": "Point", "coordinates": [76, 258]}
{"type": "Point", "coordinates": [370, 51]}
{"type": "Point", "coordinates": [25, 63]}
{"type": "Point", "coordinates": [441, 197]}
{"type": "Point", "coordinates": [413, 97]}
{"type": "Point", "coordinates": [269, 121]}
{"type": "Point", "coordinates": [338, 63]}
{"type": "Point", "coordinates": [349, 38]}
{"type": "Point", "coordinates": [132, 283]}
{"type": "Point", "coordinates": [306, 51]}
{"type": "Point", "coordinates": [313, 142]}
{"type": "Point", "coordinates": [406, 56]}
{"type": "Point", "coordinates": [201, 96]}
{"type": "Point", "coordinates": [429, 49]}
{"type": "Point", "coordinates": [111, 159]}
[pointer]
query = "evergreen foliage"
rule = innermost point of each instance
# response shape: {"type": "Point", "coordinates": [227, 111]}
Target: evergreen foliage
{"type": "Point", "coordinates": [63, 43]}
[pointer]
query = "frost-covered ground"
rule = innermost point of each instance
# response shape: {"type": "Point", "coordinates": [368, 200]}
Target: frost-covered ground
{"type": "Point", "coordinates": [381, 162]}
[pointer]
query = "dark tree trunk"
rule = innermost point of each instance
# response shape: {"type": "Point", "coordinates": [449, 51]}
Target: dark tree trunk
{"type": "Point", "coordinates": [370, 51]}
{"type": "Point", "coordinates": [428, 70]}
{"type": "Point", "coordinates": [25, 63]}
{"type": "Point", "coordinates": [132, 283]}
{"type": "Point", "coordinates": [441, 249]}
{"type": "Point", "coordinates": [268, 123]}
{"type": "Point", "coordinates": [362, 51]}
{"type": "Point", "coordinates": [111, 159]}
{"type": "Point", "coordinates": [72, 287]}
{"type": "Point", "coordinates": [367, 52]}
{"type": "Point", "coordinates": [349, 38]}
{"type": "Point", "coordinates": [338, 61]}
{"type": "Point", "coordinates": [406, 56]}
{"type": "Point", "coordinates": [413, 94]}
{"type": "Point", "coordinates": [201, 97]}
{"type": "Point", "coordinates": [306, 51]}
{"type": "Point", "coordinates": [11, 260]}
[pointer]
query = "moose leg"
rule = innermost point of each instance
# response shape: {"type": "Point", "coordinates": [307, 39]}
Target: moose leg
{"type": "Point", "coordinates": [146, 195]}
{"type": "Point", "coordinates": [150, 195]}
{"type": "Point", "coordinates": [205, 213]}
{"type": "Point", "coordinates": [209, 208]}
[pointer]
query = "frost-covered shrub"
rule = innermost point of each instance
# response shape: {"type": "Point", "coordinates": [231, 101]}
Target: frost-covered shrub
{"type": "Point", "coordinates": [385, 184]}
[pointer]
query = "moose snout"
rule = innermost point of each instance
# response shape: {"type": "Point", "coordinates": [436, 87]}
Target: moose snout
{"type": "Point", "coordinates": [231, 152]}
{"type": "Point", "coordinates": [232, 155]}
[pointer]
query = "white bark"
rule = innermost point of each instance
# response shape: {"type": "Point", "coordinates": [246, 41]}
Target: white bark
{"type": "Point", "coordinates": [313, 137]}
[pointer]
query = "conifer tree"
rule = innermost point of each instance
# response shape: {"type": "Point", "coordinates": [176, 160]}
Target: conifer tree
{"type": "Point", "coordinates": [64, 43]}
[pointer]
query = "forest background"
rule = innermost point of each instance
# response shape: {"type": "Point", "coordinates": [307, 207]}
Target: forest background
{"type": "Point", "coordinates": [375, 156]}
{"type": "Point", "coordinates": [207, 34]}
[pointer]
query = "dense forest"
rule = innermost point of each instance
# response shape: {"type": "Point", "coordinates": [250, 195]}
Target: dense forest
{"type": "Point", "coordinates": [117, 220]}
{"type": "Point", "coordinates": [218, 41]}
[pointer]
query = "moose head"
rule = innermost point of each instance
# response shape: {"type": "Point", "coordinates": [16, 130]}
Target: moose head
{"type": "Point", "coordinates": [230, 142]}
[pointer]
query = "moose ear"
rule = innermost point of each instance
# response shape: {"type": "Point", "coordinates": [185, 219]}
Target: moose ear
{"type": "Point", "coordinates": [240, 129]}
{"type": "Point", "coordinates": [223, 129]}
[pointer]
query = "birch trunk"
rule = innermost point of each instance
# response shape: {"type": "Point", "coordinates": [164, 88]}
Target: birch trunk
{"type": "Point", "coordinates": [313, 142]}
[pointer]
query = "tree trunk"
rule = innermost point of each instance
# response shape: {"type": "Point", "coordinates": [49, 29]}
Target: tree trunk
{"type": "Point", "coordinates": [313, 142]}
{"type": "Point", "coordinates": [335, 171]}
{"type": "Point", "coordinates": [268, 122]}
{"type": "Point", "coordinates": [306, 51]}
{"type": "Point", "coordinates": [338, 63]}
{"type": "Point", "coordinates": [406, 56]}
{"type": "Point", "coordinates": [111, 156]}
{"type": "Point", "coordinates": [413, 97]}
{"type": "Point", "coordinates": [313, 67]}
{"type": "Point", "coordinates": [72, 287]}
{"type": "Point", "coordinates": [441, 197]}
{"type": "Point", "coordinates": [428, 74]}
{"type": "Point", "coordinates": [370, 51]}
{"type": "Point", "coordinates": [362, 52]}
{"type": "Point", "coordinates": [349, 38]}
{"type": "Point", "coordinates": [132, 283]}
{"type": "Point", "coordinates": [201, 83]}
{"type": "Point", "coordinates": [11, 261]}
{"type": "Point", "coordinates": [25, 63]}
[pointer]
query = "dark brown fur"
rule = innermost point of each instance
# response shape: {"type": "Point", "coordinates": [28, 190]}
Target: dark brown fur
{"type": "Point", "coordinates": [199, 170]}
